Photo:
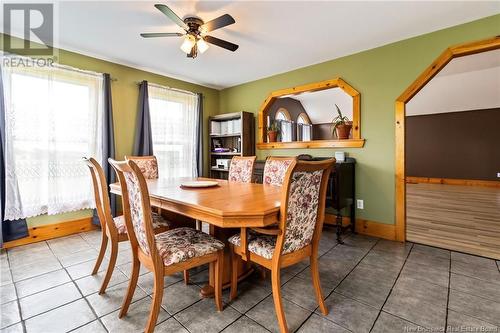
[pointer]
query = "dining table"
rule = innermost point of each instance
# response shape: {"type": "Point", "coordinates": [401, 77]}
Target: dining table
{"type": "Point", "coordinates": [226, 207]}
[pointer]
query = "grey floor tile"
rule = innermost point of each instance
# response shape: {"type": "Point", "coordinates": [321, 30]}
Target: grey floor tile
{"type": "Point", "coordinates": [204, 317]}
{"type": "Point", "coordinates": [265, 315]}
{"type": "Point", "coordinates": [351, 314]}
{"type": "Point", "coordinates": [16, 328]}
{"type": "Point", "coordinates": [5, 277]}
{"type": "Point", "coordinates": [25, 254]}
{"type": "Point", "coordinates": [92, 283]}
{"type": "Point", "coordinates": [92, 327]}
{"type": "Point", "coordinates": [368, 284]}
{"type": "Point", "coordinates": [41, 282]}
{"type": "Point", "coordinates": [123, 257]}
{"type": "Point", "coordinates": [135, 320]}
{"type": "Point", "coordinates": [458, 322]}
{"type": "Point", "coordinates": [199, 278]}
{"type": "Point", "coordinates": [331, 271]}
{"type": "Point", "coordinates": [78, 257]}
{"type": "Point", "coordinates": [429, 260]}
{"type": "Point", "coordinates": [170, 326]}
{"type": "Point", "coordinates": [127, 269]}
{"type": "Point", "coordinates": [26, 259]}
{"type": "Point", "coordinates": [85, 268]}
{"type": "Point", "coordinates": [317, 323]}
{"type": "Point", "coordinates": [431, 251]}
{"type": "Point", "coordinates": [62, 319]}
{"type": "Point", "coordinates": [9, 314]}
{"type": "Point", "coordinates": [245, 325]}
{"type": "Point", "coordinates": [474, 306]}
{"type": "Point", "coordinates": [92, 237]}
{"type": "Point", "coordinates": [178, 296]}
{"type": "Point", "coordinates": [475, 286]}
{"type": "Point", "coordinates": [482, 272]}
{"type": "Point", "coordinates": [301, 292]}
{"type": "Point", "coordinates": [249, 294]}
{"type": "Point", "coordinates": [387, 323]}
{"type": "Point", "coordinates": [403, 304]}
{"type": "Point", "coordinates": [112, 299]}
{"type": "Point", "coordinates": [385, 260]}
{"type": "Point", "coordinates": [431, 273]}
{"type": "Point", "coordinates": [146, 281]}
{"type": "Point", "coordinates": [41, 266]}
{"type": "Point", "coordinates": [472, 259]}
{"type": "Point", "coordinates": [7, 293]}
{"type": "Point", "coordinates": [396, 248]}
{"type": "Point", "coordinates": [360, 241]}
{"type": "Point", "coordinates": [346, 252]}
{"type": "Point", "coordinates": [67, 245]}
{"type": "Point", "coordinates": [48, 299]}
{"type": "Point", "coordinates": [422, 290]}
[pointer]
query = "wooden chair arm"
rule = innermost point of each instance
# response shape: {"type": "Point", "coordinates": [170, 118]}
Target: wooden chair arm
{"type": "Point", "coordinates": [265, 231]}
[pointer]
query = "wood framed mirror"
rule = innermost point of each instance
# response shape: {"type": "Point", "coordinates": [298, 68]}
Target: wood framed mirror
{"type": "Point", "coordinates": [303, 116]}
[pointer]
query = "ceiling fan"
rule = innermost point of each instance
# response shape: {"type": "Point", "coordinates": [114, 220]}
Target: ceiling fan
{"type": "Point", "coordinates": [195, 36]}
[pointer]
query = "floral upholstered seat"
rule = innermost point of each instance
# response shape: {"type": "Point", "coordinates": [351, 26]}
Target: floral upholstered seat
{"type": "Point", "coordinates": [262, 245]}
{"type": "Point", "coordinates": [181, 244]}
{"type": "Point", "coordinates": [147, 164]}
{"type": "Point", "coordinates": [158, 222]}
{"type": "Point", "coordinates": [275, 170]}
{"type": "Point", "coordinates": [241, 169]}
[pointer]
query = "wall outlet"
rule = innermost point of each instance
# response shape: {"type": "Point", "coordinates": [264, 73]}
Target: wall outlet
{"type": "Point", "coordinates": [360, 204]}
{"type": "Point", "coordinates": [498, 174]}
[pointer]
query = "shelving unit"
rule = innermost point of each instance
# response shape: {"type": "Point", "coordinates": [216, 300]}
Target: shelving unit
{"type": "Point", "coordinates": [241, 142]}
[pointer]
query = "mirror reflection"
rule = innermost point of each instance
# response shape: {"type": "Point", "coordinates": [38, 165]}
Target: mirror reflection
{"type": "Point", "coordinates": [311, 115]}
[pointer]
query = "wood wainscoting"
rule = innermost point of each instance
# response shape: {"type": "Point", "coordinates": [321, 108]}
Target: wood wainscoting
{"type": "Point", "coordinates": [50, 231]}
{"type": "Point", "coordinates": [366, 227]}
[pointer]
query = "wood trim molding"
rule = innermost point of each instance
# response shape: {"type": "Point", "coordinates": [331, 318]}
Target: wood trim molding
{"type": "Point", "coordinates": [50, 231]}
{"type": "Point", "coordinates": [355, 142]}
{"type": "Point", "coordinates": [456, 51]}
{"type": "Point", "coordinates": [366, 227]}
{"type": "Point", "coordinates": [451, 181]}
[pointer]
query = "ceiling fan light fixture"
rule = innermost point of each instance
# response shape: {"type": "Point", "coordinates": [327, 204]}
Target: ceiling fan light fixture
{"type": "Point", "coordinates": [188, 44]}
{"type": "Point", "coordinates": [202, 45]}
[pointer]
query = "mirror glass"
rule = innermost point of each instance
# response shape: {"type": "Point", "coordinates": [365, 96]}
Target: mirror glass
{"type": "Point", "coordinates": [308, 116]}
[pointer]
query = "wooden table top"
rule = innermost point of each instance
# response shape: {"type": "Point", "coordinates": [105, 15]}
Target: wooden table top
{"type": "Point", "coordinates": [229, 205]}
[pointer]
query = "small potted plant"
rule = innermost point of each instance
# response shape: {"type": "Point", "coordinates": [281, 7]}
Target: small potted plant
{"type": "Point", "coordinates": [341, 125]}
{"type": "Point", "coordinates": [273, 131]}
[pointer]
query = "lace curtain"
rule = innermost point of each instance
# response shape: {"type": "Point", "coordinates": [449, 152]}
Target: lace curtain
{"type": "Point", "coordinates": [53, 117]}
{"type": "Point", "coordinates": [174, 118]}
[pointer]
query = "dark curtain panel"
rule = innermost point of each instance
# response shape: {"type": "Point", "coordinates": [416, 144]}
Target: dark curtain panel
{"type": "Point", "coordinates": [143, 144]}
{"type": "Point", "coordinates": [199, 131]}
{"type": "Point", "coordinates": [10, 230]}
{"type": "Point", "coordinates": [108, 143]}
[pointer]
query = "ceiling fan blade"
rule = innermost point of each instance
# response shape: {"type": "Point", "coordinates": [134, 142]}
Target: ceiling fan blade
{"type": "Point", "coordinates": [161, 34]}
{"type": "Point", "coordinates": [217, 23]}
{"type": "Point", "coordinates": [221, 43]}
{"type": "Point", "coordinates": [173, 16]}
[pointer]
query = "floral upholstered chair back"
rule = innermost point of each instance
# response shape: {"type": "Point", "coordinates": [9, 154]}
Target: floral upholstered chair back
{"type": "Point", "coordinates": [241, 169]}
{"type": "Point", "coordinates": [147, 164]}
{"type": "Point", "coordinates": [275, 170]}
{"type": "Point", "coordinates": [306, 202]}
{"type": "Point", "coordinates": [135, 200]}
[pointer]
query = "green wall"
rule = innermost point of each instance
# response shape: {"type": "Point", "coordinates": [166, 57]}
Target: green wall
{"type": "Point", "coordinates": [380, 75]}
{"type": "Point", "coordinates": [125, 94]}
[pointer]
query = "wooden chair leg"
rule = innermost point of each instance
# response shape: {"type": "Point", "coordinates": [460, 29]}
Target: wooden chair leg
{"type": "Point", "coordinates": [111, 266]}
{"type": "Point", "coordinates": [186, 277]}
{"type": "Point", "coordinates": [278, 304]}
{"type": "Point", "coordinates": [234, 274]}
{"type": "Point", "coordinates": [317, 284]}
{"type": "Point", "coordinates": [156, 305]}
{"type": "Point", "coordinates": [136, 265]}
{"type": "Point", "coordinates": [218, 280]}
{"type": "Point", "coordinates": [102, 252]}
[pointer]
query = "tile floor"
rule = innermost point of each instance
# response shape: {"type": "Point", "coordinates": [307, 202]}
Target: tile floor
{"type": "Point", "coordinates": [370, 285]}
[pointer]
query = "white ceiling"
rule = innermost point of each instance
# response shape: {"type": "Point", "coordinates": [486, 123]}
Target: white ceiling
{"type": "Point", "coordinates": [274, 36]}
{"type": "Point", "coordinates": [465, 84]}
{"type": "Point", "coordinates": [320, 105]}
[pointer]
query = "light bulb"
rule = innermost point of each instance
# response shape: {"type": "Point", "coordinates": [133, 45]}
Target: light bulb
{"type": "Point", "coordinates": [188, 44]}
{"type": "Point", "coordinates": [202, 45]}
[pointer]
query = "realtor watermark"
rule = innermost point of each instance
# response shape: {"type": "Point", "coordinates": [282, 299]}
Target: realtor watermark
{"type": "Point", "coordinates": [450, 328]}
{"type": "Point", "coordinates": [29, 34]}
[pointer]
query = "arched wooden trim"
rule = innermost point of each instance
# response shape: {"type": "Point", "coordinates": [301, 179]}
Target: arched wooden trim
{"type": "Point", "coordinates": [356, 140]}
{"type": "Point", "coordinates": [284, 112]}
{"type": "Point", "coordinates": [431, 71]}
{"type": "Point", "coordinates": [306, 118]}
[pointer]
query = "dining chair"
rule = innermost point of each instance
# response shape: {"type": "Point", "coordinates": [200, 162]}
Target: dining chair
{"type": "Point", "coordinates": [295, 238]}
{"type": "Point", "coordinates": [113, 229]}
{"type": "Point", "coordinates": [241, 169]}
{"type": "Point", "coordinates": [147, 164]}
{"type": "Point", "coordinates": [275, 169]}
{"type": "Point", "coordinates": [162, 254]}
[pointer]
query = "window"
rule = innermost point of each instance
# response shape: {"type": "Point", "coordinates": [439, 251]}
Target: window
{"type": "Point", "coordinates": [285, 124]}
{"type": "Point", "coordinates": [304, 127]}
{"type": "Point", "coordinates": [53, 118]}
{"type": "Point", "coordinates": [174, 121]}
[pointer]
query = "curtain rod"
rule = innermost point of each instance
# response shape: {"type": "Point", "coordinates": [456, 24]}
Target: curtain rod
{"type": "Point", "coordinates": [169, 88]}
